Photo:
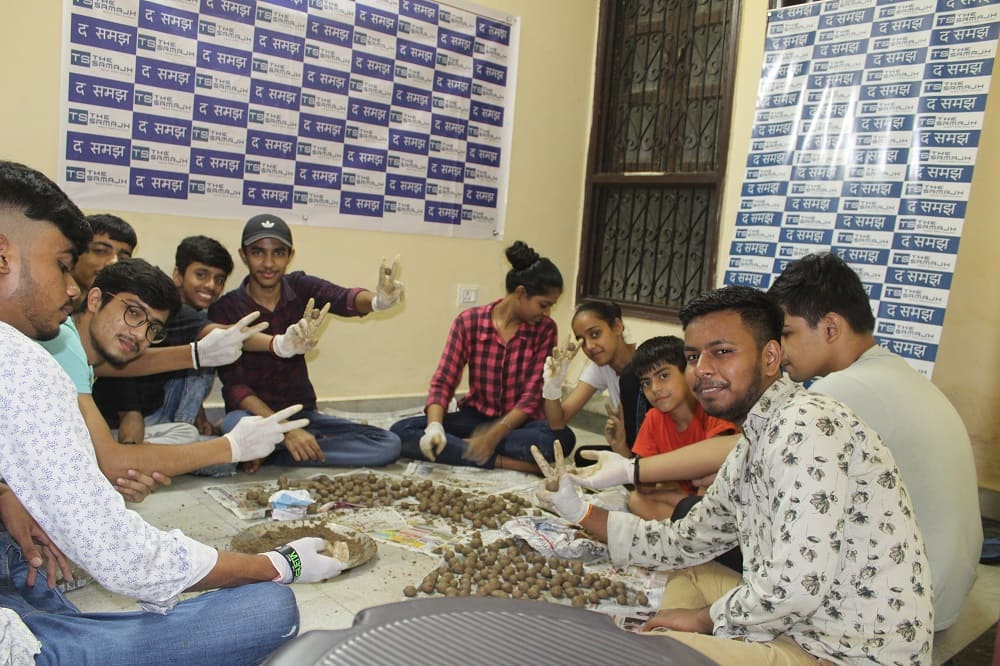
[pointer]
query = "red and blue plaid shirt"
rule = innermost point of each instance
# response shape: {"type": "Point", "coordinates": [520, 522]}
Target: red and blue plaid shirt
{"type": "Point", "coordinates": [502, 376]}
{"type": "Point", "coordinates": [279, 382]}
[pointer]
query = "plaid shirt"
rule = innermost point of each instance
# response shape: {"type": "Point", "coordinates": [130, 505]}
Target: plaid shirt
{"type": "Point", "coordinates": [502, 376]}
{"type": "Point", "coordinates": [279, 382]}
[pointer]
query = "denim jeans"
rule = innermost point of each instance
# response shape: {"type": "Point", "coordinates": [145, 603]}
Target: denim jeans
{"type": "Point", "coordinates": [460, 425]}
{"type": "Point", "coordinates": [183, 397]}
{"type": "Point", "coordinates": [344, 443]}
{"type": "Point", "coordinates": [240, 625]}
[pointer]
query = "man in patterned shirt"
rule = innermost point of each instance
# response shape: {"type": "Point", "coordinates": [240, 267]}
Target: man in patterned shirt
{"type": "Point", "coordinates": [834, 564]}
{"type": "Point", "coordinates": [54, 489]}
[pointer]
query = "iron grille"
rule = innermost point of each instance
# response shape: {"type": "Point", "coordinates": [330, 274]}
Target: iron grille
{"type": "Point", "coordinates": [658, 150]}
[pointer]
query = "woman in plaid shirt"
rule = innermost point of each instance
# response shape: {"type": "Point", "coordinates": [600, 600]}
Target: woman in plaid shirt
{"type": "Point", "coordinates": [504, 345]}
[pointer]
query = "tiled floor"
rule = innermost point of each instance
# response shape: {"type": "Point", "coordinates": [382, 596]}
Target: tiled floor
{"type": "Point", "coordinates": [333, 604]}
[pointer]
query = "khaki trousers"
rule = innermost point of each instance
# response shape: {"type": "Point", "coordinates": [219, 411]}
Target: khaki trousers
{"type": "Point", "coordinates": [701, 586]}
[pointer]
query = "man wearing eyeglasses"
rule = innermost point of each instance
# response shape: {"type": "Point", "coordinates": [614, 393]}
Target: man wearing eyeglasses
{"type": "Point", "coordinates": [126, 310]}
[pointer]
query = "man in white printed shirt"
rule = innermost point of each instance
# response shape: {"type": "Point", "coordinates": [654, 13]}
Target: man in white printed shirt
{"type": "Point", "coordinates": [47, 462]}
{"type": "Point", "coordinates": [834, 564]}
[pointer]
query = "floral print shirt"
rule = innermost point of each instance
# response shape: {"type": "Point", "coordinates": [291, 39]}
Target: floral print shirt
{"type": "Point", "coordinates": [832, 555]}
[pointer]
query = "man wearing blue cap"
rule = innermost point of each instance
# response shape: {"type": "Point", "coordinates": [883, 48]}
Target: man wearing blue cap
{"type": "Point", "coordinates": [263, 383]}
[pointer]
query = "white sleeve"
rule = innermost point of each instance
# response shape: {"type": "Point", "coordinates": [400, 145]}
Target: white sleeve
{"type": "Point", "coordinates": [46, 458]}
{"type": "Point", "coordinates": [593, 376]}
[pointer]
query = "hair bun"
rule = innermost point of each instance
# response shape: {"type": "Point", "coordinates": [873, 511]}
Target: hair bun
{"type": "Point", "coordinates": [520, 255]}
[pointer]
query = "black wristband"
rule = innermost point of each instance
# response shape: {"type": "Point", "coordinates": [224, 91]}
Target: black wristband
{"type": "Point", "coordinates": [635, 474]}
{"type": "Point", "coordinates": [197, 359]}
{"type": "Point", "coordinates": [293, 559]}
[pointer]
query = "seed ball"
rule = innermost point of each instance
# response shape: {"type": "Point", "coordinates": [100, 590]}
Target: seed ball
{"type": "Point", "coordinates": [577, 568]}
{"type": "Point", "coordinates": [641, 599]}
{"type": "Point", "coordinates": [593, 598]}
{"type": "Point", "coordinates": [451, 592]}
{"type": "Point", "coordinates": [499, 594]}
{"type": "Point", "coordinates": [517, 593]}
{"type": "Point", "coordinates": [410, 591]}
{"type": "Point", "coordinates": [574, 580]}
{"type": "Point", "coordinates": [546, 572]}
{"type": "Point", "coordinates": [427, 588]}
{"type": "Point", "coordinates": [533, 592]}
{"type": "Point", "coordinates": [622, 599]}
{"type": "Point", "coordinates": [557, 591]}
{"type": "Point", "coordinates": [579, 601]}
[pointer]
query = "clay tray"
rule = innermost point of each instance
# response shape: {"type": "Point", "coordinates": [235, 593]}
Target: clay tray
{"type": "Point", "coordinates": [265, 536]}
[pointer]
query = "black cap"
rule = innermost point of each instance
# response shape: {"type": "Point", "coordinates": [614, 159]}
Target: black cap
{"type": "Point", "coordinates": [266, 226]}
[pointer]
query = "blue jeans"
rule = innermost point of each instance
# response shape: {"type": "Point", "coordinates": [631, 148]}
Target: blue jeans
{"type": "Point", "coordinates": [344, 443]}
{"type": "Point", "coordinates": [240, 625]}
{"type": "Point", "coordinates": [183, 397]}
{"type": "Point", "coordinates": [460, 425]}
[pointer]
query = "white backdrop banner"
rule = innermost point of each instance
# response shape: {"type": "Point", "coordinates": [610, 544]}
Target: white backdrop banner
{"type": "Point", "coordinates": [867, 123]}
{"type": "Point", "coordinates": [393, 115]}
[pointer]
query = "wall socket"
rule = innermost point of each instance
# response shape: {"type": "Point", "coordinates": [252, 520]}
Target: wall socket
{"type": "Point", "coordinates": [468, 295]}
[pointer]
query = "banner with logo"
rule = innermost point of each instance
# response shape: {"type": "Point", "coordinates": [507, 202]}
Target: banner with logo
{"type": "Point", "coordinates": [393, 115]}
{"type": "Point", "coordinates": [866, 128]}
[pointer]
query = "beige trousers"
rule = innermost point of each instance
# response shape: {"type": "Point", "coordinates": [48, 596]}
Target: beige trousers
{"type": "Point", "coordinates": [701, 586]}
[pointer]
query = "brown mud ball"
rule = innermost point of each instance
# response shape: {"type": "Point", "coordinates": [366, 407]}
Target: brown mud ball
{"type": "Point", "coordinates": [509, 568]}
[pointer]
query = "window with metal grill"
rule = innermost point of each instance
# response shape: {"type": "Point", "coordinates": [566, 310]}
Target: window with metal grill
{"type": "Point", "coordinates": [657, 152]}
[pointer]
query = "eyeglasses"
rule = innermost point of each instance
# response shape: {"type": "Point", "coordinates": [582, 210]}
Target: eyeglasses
{"type": "Point", "coordinates": [135, 317]}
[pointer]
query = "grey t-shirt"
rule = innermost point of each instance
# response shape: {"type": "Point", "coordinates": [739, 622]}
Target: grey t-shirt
{"type": "Point", "coordinates": [932, 450]}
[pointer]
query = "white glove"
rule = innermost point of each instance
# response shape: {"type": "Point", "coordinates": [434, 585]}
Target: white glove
{"type": "Point", "coordinates": [303, 561]}
{"type": "Point", "coordinates": [433, 441]}
{"type": "Point", "coordinates": [554, 371]}
{"type": "Point", "coordinates": [302, 336]}
{"type": "Point", "coordinates": [388, 290]}
{"type": "Point", "coordinates": [566, 501]}
{"type": "Point", "coordinates": [557, 493]}
{"type": "Point", "coordinates": [223, 346]}
{"type": "Point", "coordinates": [611, 470]}
{"type": "Point", "coordinates": [255, 437]}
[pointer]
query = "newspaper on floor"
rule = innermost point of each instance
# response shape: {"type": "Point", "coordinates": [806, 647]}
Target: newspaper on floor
{"type": "Point", "coordinates": [491, 481]}
{"type": "Point", "coordinates": [632, 620]}
{"type": "Point", "coordinates": [234, 496]}
{"type": "Point", "coordinates": [420, 538]}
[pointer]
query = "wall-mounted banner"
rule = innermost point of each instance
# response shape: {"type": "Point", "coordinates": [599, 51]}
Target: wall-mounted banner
{"type": "Point", "coordinates": [867, 123]}
{"type": "Point", "coordinates": [394, 115]}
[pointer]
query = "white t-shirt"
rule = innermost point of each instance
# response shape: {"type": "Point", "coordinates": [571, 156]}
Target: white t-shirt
{"type": "Point", "coordinates": [603, 377]}
{"type": "Point", "coordinates": [932, 450]}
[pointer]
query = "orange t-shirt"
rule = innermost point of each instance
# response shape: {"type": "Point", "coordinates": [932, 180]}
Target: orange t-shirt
{"type": "Point", "coordinates": [659, 434]}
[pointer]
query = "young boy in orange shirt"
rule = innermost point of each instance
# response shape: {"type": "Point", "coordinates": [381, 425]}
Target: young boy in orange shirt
{"type": "Point", "coordinates": [674, 420]}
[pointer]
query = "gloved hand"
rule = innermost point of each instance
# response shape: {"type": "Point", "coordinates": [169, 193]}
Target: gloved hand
{"type": "Point", "coordinates": [557, 493]}
{"type": "Point", "coordinates": [433, 441]}
{"type": "Point", "coordinates": [302, 336]}
{"type": "Point", "coordinates": [303, 561]}
{"type": "Point", "coordinates": [388, 290]}
{"type": "Point", "coordinates": [554, 371]}
{"type": "Point", "coordinates": [611, 470]}
{"type": "Point", "coordinates": [223, 346]}
{"type": "Point", "coordinates": [255, 437]}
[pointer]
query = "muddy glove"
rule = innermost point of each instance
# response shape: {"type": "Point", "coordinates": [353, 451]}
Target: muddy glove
{"type": "Point", "coordinates": [557, 493]}
{"type": "Point", "coordinates": [433, 441]}
{"type": "Point", "coordinates": [223, 346]}
{"type": "Point", "coordinates": [255, 437]}
{"type": "Point", "coordinates": [304, 561]}
{"type": "Point", "coordinates": [611, 470]}
{"type": "Point", "coordinates": [554, 371]}
{"type": "Point", "coordinates": [388, 290]}
{"type": "Point", "coordinates": [302, 336]}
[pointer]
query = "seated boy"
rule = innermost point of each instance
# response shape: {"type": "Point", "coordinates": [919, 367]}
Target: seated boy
{"type": "Point", "coordinates": [138, 405]}
{"type": "Point", "coordinates": [674, 420]}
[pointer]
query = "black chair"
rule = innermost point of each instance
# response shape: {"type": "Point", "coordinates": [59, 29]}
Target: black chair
{"type": "Point", "coordinates": [482, 631]}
